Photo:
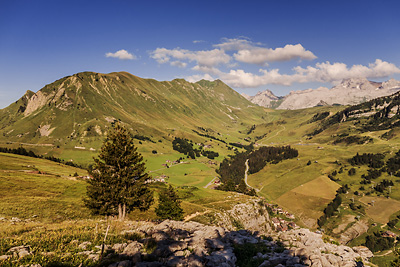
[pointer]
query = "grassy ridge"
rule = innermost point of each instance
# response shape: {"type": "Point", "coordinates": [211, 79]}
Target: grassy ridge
{"type": "Point", "coordinates": [77, 110]}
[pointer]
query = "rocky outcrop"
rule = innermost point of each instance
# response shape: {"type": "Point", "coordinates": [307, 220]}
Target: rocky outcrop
{"type": "Point", "coordinates": [19, 252]}
{"type": "Point", "coordinates": [252, 216]}
{"type": "Point", "coordinates": [173, 243]}
{"type": "Point", "coordinates": [313, 251]}
{"type": "Point", "coordinates": [354, 231]}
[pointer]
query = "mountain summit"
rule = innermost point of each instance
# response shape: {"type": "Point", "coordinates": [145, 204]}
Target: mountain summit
{"type": "Point", "coordinates": [265, 98]}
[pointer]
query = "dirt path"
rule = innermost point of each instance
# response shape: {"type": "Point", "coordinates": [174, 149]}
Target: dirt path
{"type": "Point", "coordinates": [278, 132]}
{"type": "Point", "coordinates": [170, 166]}
{"type": "Point", "coordinates": [384, 254]}
{"type": "Point", "coordinates": [207, 209]}
{"type": "Point", "coordinates": [191, 216]}
{"type": "Point", "coordinates": [210, 183]}
{"type": "Point", "coordinates": [245, 173]}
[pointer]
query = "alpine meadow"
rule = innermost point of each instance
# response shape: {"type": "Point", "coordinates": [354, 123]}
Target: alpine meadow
{"type": "Point", "coordinates": [320, 168]}
{"type": "Point", "coordinates": [199, 133]}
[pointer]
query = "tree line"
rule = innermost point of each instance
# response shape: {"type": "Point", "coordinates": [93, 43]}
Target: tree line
{"type": "Point", "coordinates": [377, 166]}
{"type": "Point", "coordinates": [369, 159]}
{"type": "Point", "coordinates": [319, 116]}
{"type": "Point", "coordinates": [376, 242]}
{"type": "Point", "coordinates": [259, 158]}
{"type": "Point", "coordinates": [208, 136]}
{"type": "Point", "coordinates": [185, 146]}
{"type": "Point", "coordinates": [353, 139]}
{"type": "Point", "coordinates": [232, 169]}
{"type": "Point", "coordinates": [29, 153]}
{"type": "Point", "coordinates": [332, 206]}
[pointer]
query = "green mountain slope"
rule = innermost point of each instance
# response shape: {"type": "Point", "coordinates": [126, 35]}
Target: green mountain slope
{"type": "Point", "coordinates": [78, 109]}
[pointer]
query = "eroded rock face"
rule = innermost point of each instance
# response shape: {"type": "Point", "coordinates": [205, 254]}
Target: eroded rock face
{"type": "Point", "coordinates": [353, 232]}
{"type": "Point", "coordinates": [252, 216]}
{"type": "Point", "coordinates": [175, 243]}
{"type": "Point", "coordinates": [313, 251]}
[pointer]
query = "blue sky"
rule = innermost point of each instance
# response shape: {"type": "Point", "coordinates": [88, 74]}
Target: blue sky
{"type": "Point", "coordinates": [250, 45]}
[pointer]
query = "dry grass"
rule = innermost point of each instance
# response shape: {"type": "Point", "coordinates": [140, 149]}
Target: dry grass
{"type": "Point", "coordinates": [382, 208]}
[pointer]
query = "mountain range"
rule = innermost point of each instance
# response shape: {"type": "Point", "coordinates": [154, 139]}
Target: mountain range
{"type": "Point", "coordinates": [349, 92]}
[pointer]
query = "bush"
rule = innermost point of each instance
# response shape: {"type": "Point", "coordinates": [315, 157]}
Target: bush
{"type": "Point", "coordinates": [352, 171]}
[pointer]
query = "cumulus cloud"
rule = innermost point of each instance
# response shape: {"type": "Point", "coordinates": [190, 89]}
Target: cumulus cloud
{"type": "Point", "coordinates": [197, 77]}
{"type": "Point", "coordinates": [178, 64]}
{"type": "Point", "coordinates": [207, 69]}
{"type": "Point", "coordinates": [121, 54]}
{"type": "Point", "coordinates": [322, 72]}
{"type": "Point", "coordinates": [327, 72]}
{"type": "Point", "coordinates": [224, 60]}
{"type": "Point", "coordinates": [204, 57]}
{"type": "Point", "coordinates": [254, 53]}
{"type": "Point", "coordinates": [246, 52]}
{"type": "Point", "coordinates": [262, 56]}
{"type": "Point", "coordinates": [243, 79]}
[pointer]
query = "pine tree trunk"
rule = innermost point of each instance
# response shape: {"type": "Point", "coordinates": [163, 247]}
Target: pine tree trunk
{"type": "Point", "coordinates": [120, 212]}
{"type": "Point", "coordinates": [124, 212]}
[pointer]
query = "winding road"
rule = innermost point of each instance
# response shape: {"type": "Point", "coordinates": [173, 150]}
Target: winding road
{"type": "Point", "coordinates": [245, 176]}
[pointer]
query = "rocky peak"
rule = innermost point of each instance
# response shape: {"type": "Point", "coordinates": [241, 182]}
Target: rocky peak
{"type": "Point", "coordinates": [322, 103]}
{"type": "Point", "coordinates": [356, 84]}
{"type": "Point", "coordinates": [263, 98]}
{"type": "Point", "coordinates": [267, 93]}
{"type": "Point", "coordinates": [390, 84]}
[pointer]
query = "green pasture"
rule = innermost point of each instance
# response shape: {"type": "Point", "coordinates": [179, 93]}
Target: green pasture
{"type": "Point", "coordinates": [190, 172]}
{"type": "Point", "coordinates": [49, 197]}
{"type": "Point", "coordinates": [22, 163]}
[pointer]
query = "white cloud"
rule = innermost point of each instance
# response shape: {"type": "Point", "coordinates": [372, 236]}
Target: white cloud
{"type": "Point", "coordinates": [178, 64]}
{"type": "Point", "coordinates": [262, 56]}
{"type": "Point", "coordinates": [224, 62]}
{"type": "Point", "coordinates": [236, 44]}
{"type": "Point", "coordinates": [196, 78]}
{"type": "Point", "coordinates": [242, 79]}
{"type": "Point", "coordinates": [322, 72]}
{"type": "Point", "coordinates": [327, 72]}
{"type": "Point", "coordinates": [246, 51]}
{"type": "Point", "coordinates": [121, 54]}
{"type": "Point", "coordinates": [204, 57]}
{"type": "Point", "coordinates": [207, 69]}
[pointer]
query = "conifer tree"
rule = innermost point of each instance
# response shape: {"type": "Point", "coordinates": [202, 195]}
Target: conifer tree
{"type": "Point", "coordinates": [118, 177]}
{"type": "Point", "coordinates": [169, 206]}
